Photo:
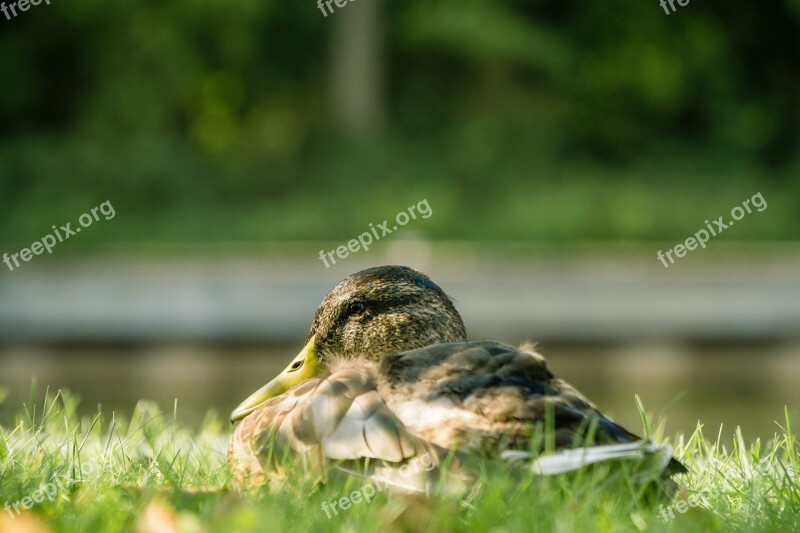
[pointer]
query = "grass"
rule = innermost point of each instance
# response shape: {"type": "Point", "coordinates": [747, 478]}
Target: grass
{"type": "Point", "coordinates": [151, 473]}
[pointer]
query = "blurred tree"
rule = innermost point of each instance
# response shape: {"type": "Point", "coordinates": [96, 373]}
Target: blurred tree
{"type": "Point", "coordinates": [212, 120]}
{"type": "Point", "coordinates": [357, 57]}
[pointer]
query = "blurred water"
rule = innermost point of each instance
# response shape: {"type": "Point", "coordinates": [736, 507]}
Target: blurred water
{"type": "Point", "coordinates": [723, 384]}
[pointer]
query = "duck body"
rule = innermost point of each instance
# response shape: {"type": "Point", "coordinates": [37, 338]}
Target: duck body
{"type": "Point", "coordinates": [443, 400]}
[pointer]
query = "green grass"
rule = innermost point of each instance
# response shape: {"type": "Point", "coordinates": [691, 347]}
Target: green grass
{"type": "Point", "coordinates": [151, 473]}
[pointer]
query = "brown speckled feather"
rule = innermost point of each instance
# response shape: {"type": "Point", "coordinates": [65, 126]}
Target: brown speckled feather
{"type": "Point", "coordinates": [488, 397]}
{"type": "Point", "coordinates": [337, 417]}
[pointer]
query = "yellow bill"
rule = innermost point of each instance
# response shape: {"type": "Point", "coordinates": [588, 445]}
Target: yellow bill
{"type": "Point", "coordinates": [306, 365]}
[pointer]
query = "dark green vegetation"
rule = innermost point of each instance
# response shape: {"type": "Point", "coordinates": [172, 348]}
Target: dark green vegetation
{"type": "Point", "coordinates": [117, 474]}
{"type": "Point", "coordinates": [547, 120]}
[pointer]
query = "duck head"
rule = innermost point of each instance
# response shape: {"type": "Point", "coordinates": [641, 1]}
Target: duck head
{"type": "Point", "coordinates": [375, 312]}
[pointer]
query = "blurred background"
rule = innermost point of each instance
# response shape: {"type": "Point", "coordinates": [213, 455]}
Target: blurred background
{"type": "Point", "coordinates": [559, 145]}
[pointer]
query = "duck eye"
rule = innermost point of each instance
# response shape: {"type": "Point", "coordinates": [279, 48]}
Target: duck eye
{"type": "Point", "coordinates": [357, 308]}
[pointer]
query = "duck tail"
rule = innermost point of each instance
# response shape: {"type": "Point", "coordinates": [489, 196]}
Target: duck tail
{"type": "Point", "coordinates": [652, 460]}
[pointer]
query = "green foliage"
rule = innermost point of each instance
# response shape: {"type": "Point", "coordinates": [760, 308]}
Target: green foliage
{"type": "Point", "coordinates": [544, 120]}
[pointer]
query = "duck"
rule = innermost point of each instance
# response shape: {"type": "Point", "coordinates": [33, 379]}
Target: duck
{"type": "Point", "coordinates": [388, 386]}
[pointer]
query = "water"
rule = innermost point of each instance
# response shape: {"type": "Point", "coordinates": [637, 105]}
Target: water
{"type": "Point", "coordinates": [728, 384]}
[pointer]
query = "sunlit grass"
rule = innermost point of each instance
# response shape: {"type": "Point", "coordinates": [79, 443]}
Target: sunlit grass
{"type": "Point", "coordinates": [151, 473]}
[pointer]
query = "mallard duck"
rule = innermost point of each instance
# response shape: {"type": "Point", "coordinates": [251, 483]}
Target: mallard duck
{"type": "Point", "coordinates": [387, 377]}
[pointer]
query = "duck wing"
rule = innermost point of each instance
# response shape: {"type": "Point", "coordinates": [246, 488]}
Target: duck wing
{"type": "Point", "coordinates": [339, 417]}
{"type": "Point", "coordinates": [494, 400]}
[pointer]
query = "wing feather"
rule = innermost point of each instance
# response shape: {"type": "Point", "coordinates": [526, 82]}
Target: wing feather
{"type": "Point", "coordinates": [338, 417]}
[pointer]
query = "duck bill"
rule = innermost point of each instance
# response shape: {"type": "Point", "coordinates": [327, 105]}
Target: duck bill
{"type": "Point", "coordinates": [304, 366]}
